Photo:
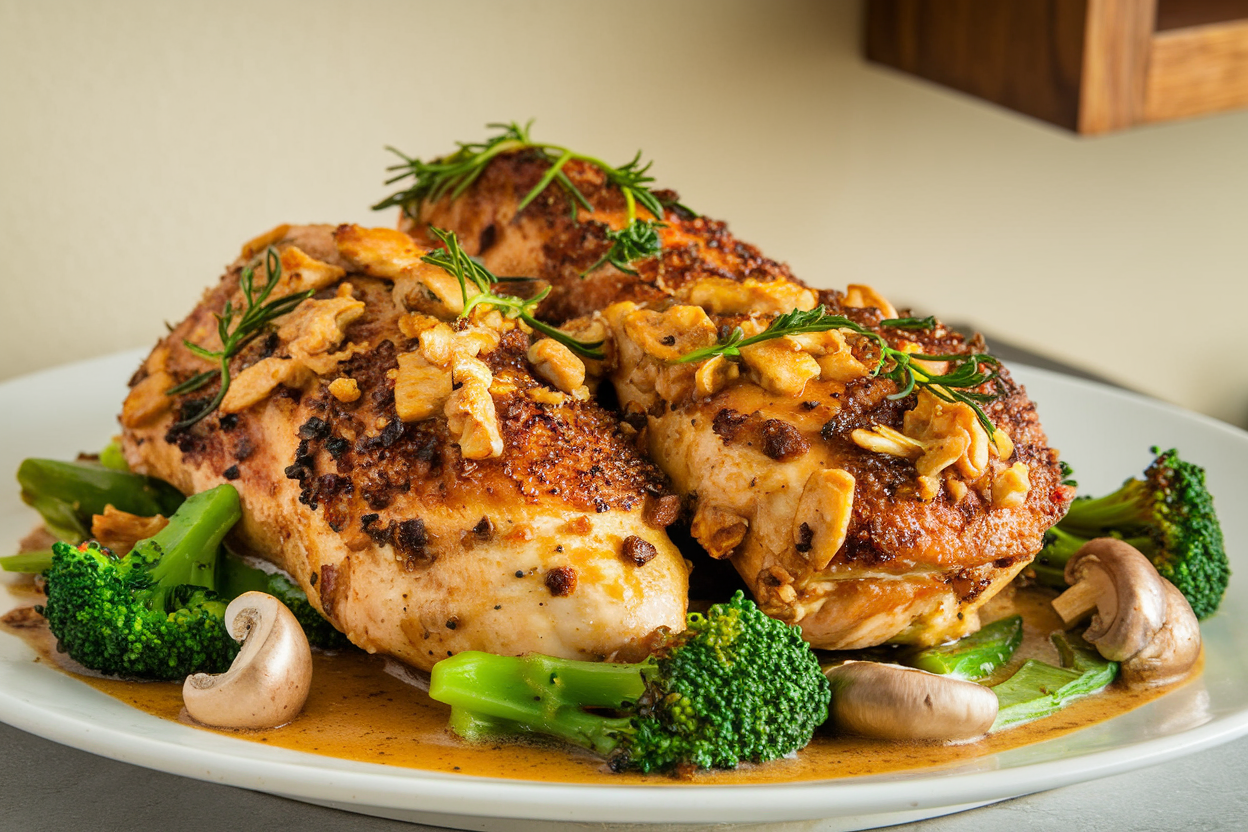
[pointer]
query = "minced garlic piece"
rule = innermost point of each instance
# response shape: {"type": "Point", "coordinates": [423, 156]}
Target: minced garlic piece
{"type": "Point", "coordinates": [258, 244]}
{"type": "Point", "coordinates": [557, 364]}
{"type": "Point", "coordinates": [301, 273]}
{"type": "Point", "coordinates": [1010, 487]}
{"type": "Point", "coordinates": [714, 375]}
{"type": "Point", "coordinates": [937, 435]}
{"type": "Point", "coordinates": [834, 355]}
{"type": "Point", "coordinates": [861, 296]}
{"type": "Point", "coordinates": [670, 334]}
{"type": "Point", "coordinates": [420, 387]}
{"type": "Point", "coordinates": [470, 413]}
{"type": "Point", "coordinates": [345, 390]}
{"type": "Point", "coordinates": [310, 332]}
{"type": "Point", "coordinates": [722, 296]}
{"type": "Point", "coordinates": [821, 522]}
{"type": "Point", "coordinates": [147, 400]}
{"type": "Point", "coordinates": [392, 255]}
{"type": "Point", "coordinates": [719, 530]}
{"type": "Point", "coordinates": [780, 365]}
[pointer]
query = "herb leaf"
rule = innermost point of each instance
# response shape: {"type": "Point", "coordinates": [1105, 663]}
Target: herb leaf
{"type": "Point", "coordinates": [476, 286]}
{"type": "Point", "coordinates": [237, 328]}
{"type": "Point", "coordinates": [957, 384]}
{"type": "Point", "coordinates": [635, 241]}
{"type": "Point", "coordinates": [453, 174]}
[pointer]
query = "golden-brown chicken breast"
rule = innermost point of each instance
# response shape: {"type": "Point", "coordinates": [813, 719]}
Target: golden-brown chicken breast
{"type": "Point", "coordinates": [862, 518]}
{"type": "Point", "coordinates": [435, 484]}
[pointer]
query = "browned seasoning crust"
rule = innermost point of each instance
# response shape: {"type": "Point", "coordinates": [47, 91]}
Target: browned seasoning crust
{"type": "Point", "coordinates": [914, 555]}
{"type": "Point", "coordinates": [391, 528]}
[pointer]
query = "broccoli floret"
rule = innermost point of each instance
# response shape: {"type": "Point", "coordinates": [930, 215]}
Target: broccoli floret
{"type": "Point", "coordinates": [1168, 515]}
{"type": "Point", "coordinates": [236, 577]}
{"type": "Point", "coordinates": [154, 613]}
{"type": "Point", "coordinates": [734, 686]}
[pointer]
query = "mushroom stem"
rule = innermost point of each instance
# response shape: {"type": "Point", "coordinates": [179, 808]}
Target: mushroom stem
{"type": "Point", "coordinates": [1076, 602]}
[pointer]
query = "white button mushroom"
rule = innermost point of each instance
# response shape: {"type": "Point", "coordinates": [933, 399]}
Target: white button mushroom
{"type": "Point", "coordinates": [270, 677]}
{"type": "Point", "coordinates": [891, 702]}
{"type": "Point", "coordinates": [1141, 620]}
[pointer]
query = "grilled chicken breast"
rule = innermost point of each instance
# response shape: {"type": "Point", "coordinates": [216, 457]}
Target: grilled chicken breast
{"type": "Point", "coordinates": [435, 485]}
{"type": "Point", "coordinates": [861, 518]}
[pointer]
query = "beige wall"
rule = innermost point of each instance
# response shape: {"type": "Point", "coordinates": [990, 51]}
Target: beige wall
{"type": "Point", "coordinates": [142, 142]}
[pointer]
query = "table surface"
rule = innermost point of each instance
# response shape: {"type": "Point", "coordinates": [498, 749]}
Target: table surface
{"type": "Point", "coordinates": [53, 787]}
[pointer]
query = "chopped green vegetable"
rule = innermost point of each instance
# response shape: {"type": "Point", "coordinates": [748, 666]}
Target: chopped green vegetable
{"type": "Point", "coordinates": [67, 494]}
{"type": "Point", "coordinates": [1039, 689]}
{"type": "Point", "coordinates": [1168, 515]}
{"type": "Point", "coordinates": [736, 685]}
{"type": "Point", "coordinates": [978, 655]}
{"type": "Point", "coordinates": [235, 577]}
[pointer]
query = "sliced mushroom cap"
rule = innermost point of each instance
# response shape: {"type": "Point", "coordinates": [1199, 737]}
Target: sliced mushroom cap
{"type": "Point", "coordinates": [891, 702]}
{"type": "Point", "coordinates": [270, 677]}
{"type": "Point", "coordinates": [1127, 593]}
{"type": "Point", "coordinates": [1141, 620]}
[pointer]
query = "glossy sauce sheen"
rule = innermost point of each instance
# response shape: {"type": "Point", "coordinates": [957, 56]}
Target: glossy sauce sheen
{"type": "Point", "coordinates": [359, 711]}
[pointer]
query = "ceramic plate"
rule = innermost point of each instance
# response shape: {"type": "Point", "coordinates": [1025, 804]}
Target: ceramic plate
{"type": "Point", "coordinates": [1103, 432]}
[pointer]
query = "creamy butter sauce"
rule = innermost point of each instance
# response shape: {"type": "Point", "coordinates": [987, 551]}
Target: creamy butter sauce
{"type": "Point", "coordinates": [358, 711]}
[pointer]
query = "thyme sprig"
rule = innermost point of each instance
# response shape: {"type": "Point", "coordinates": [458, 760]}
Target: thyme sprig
{"type": "Point", "coordinates": [959, 384]}
{"type": "Point", "coordinates": [476, 288]}
{"type": "Point", "coordinates": [237, 328]}
{"type": "Point", "coordinates": [451, 175]}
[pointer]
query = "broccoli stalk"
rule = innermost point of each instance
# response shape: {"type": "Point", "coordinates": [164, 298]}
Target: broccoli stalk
{"type": "Point", "coordinates": [734, 686]}
{"type": "Point", "coordinates": [1168, 515]}
{"type": "Point", "coordinates": [235, 577]}
{"type": "Point", "coordinates": [153, 614]}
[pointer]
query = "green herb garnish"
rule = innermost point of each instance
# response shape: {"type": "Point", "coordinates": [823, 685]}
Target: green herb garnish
{"type": "Point", "coordinates": [450, 176]}
{"type": "Point", "coordinates": [956, 385]}
{"type": "Point", "coordinates": [476, 288]}
{"type": "Point", "coordinates": [237, 328]}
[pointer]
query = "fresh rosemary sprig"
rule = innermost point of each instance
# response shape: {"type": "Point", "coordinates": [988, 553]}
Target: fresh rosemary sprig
{"type": "Point", "coordinates": [476, 287]}
{"type": "Point", "coordinates": [453, 174]}
{"type": "Point", "coordinates": [237, 328]}
{"type": "Point", "coordinates": [956, 385]}
{"type": "Point", "coordinates": [635, 241]}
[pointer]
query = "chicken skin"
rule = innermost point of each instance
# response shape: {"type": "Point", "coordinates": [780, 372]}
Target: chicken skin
{"type": "Point", "coordinates": [861, 517]}
{"type": "Point", "coordinates": [434, 483]}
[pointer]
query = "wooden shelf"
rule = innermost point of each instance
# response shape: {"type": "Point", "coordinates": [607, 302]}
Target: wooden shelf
{"type": "Point", "coordinates": [1092, 66]}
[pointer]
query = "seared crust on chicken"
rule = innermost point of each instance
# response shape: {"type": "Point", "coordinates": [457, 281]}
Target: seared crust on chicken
{"type": "Point", "coordinates": [428, 490]}
{"type": "Point", "coordinates": [861, 518]}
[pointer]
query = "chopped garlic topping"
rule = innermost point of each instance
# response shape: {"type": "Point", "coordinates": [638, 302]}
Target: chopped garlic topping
{"type": "Point", "coordinates": [310, 332]}
{"type": "Point", "coordinates": [722, 296]}
{"type": "Point", "coordinates": [420, 387]}
{"type": "Point", "coordinates": [834, 355]}
{"type": "Point", "coordinates": [301, 273]}
{"type": "Point", "coordinates": [1010, 487]}
{"type": "Point", "coordinates": [718, 529]}
{"type": "Point", "coordinates": [937, 435]}
{"type": "Point", "coordinates": [470, 412]}
{"type": "Point", "coordinates": [557, 364]}
{"type": "Point", "coordinates": [258, 244]}
{"type": "Point", "coordinates": [392, 255]}
{"type": "Point", "coordinates": [821, 522]}
{"type": "Point", "coordinates": [345, 390]}
{"type": "Point", "coordinates": [714, 375]}
{"type": "Point", "coordinates": [147, 400]}
{"type": "Point", "coordinates": [861, 296]}
{"type": "Point", "coordinates": [670, 334]}
{"type": "Point", "coordinates": [780, 365]}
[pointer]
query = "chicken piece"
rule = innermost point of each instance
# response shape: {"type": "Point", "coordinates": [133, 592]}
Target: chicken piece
{"type": "Point", "coordinates": [855, 544]}
{"type": "Point", "coordinates": [492, 520]}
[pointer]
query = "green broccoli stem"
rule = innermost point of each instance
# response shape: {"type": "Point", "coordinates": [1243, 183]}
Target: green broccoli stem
{"type": "Point", "coordinates": [1130, 504]}
{"type": "Point", "coordinates": [538, 693]}
{"type": "Point", "coordinates": [67, 494]}
{"type": "Point", "coordinates": [1060, 544]}
{"type": "Point", "coordinates": [978, 655]}
{"type": "Point", "coordinates": [32, 563]}
{"type": "Point", "coordinates": [186, 551]}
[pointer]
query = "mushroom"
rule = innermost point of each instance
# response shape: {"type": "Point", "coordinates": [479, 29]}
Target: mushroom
{"type": "Point", "coordinates": [1141, 620]}
{"type": "Point", "coordinates": [891, 702]}
{"type": "Point", "coordinates": [269, 679]}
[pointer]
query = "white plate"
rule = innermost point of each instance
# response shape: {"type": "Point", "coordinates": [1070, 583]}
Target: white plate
{"type": "Point", "coordinates": [1104, 432]}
